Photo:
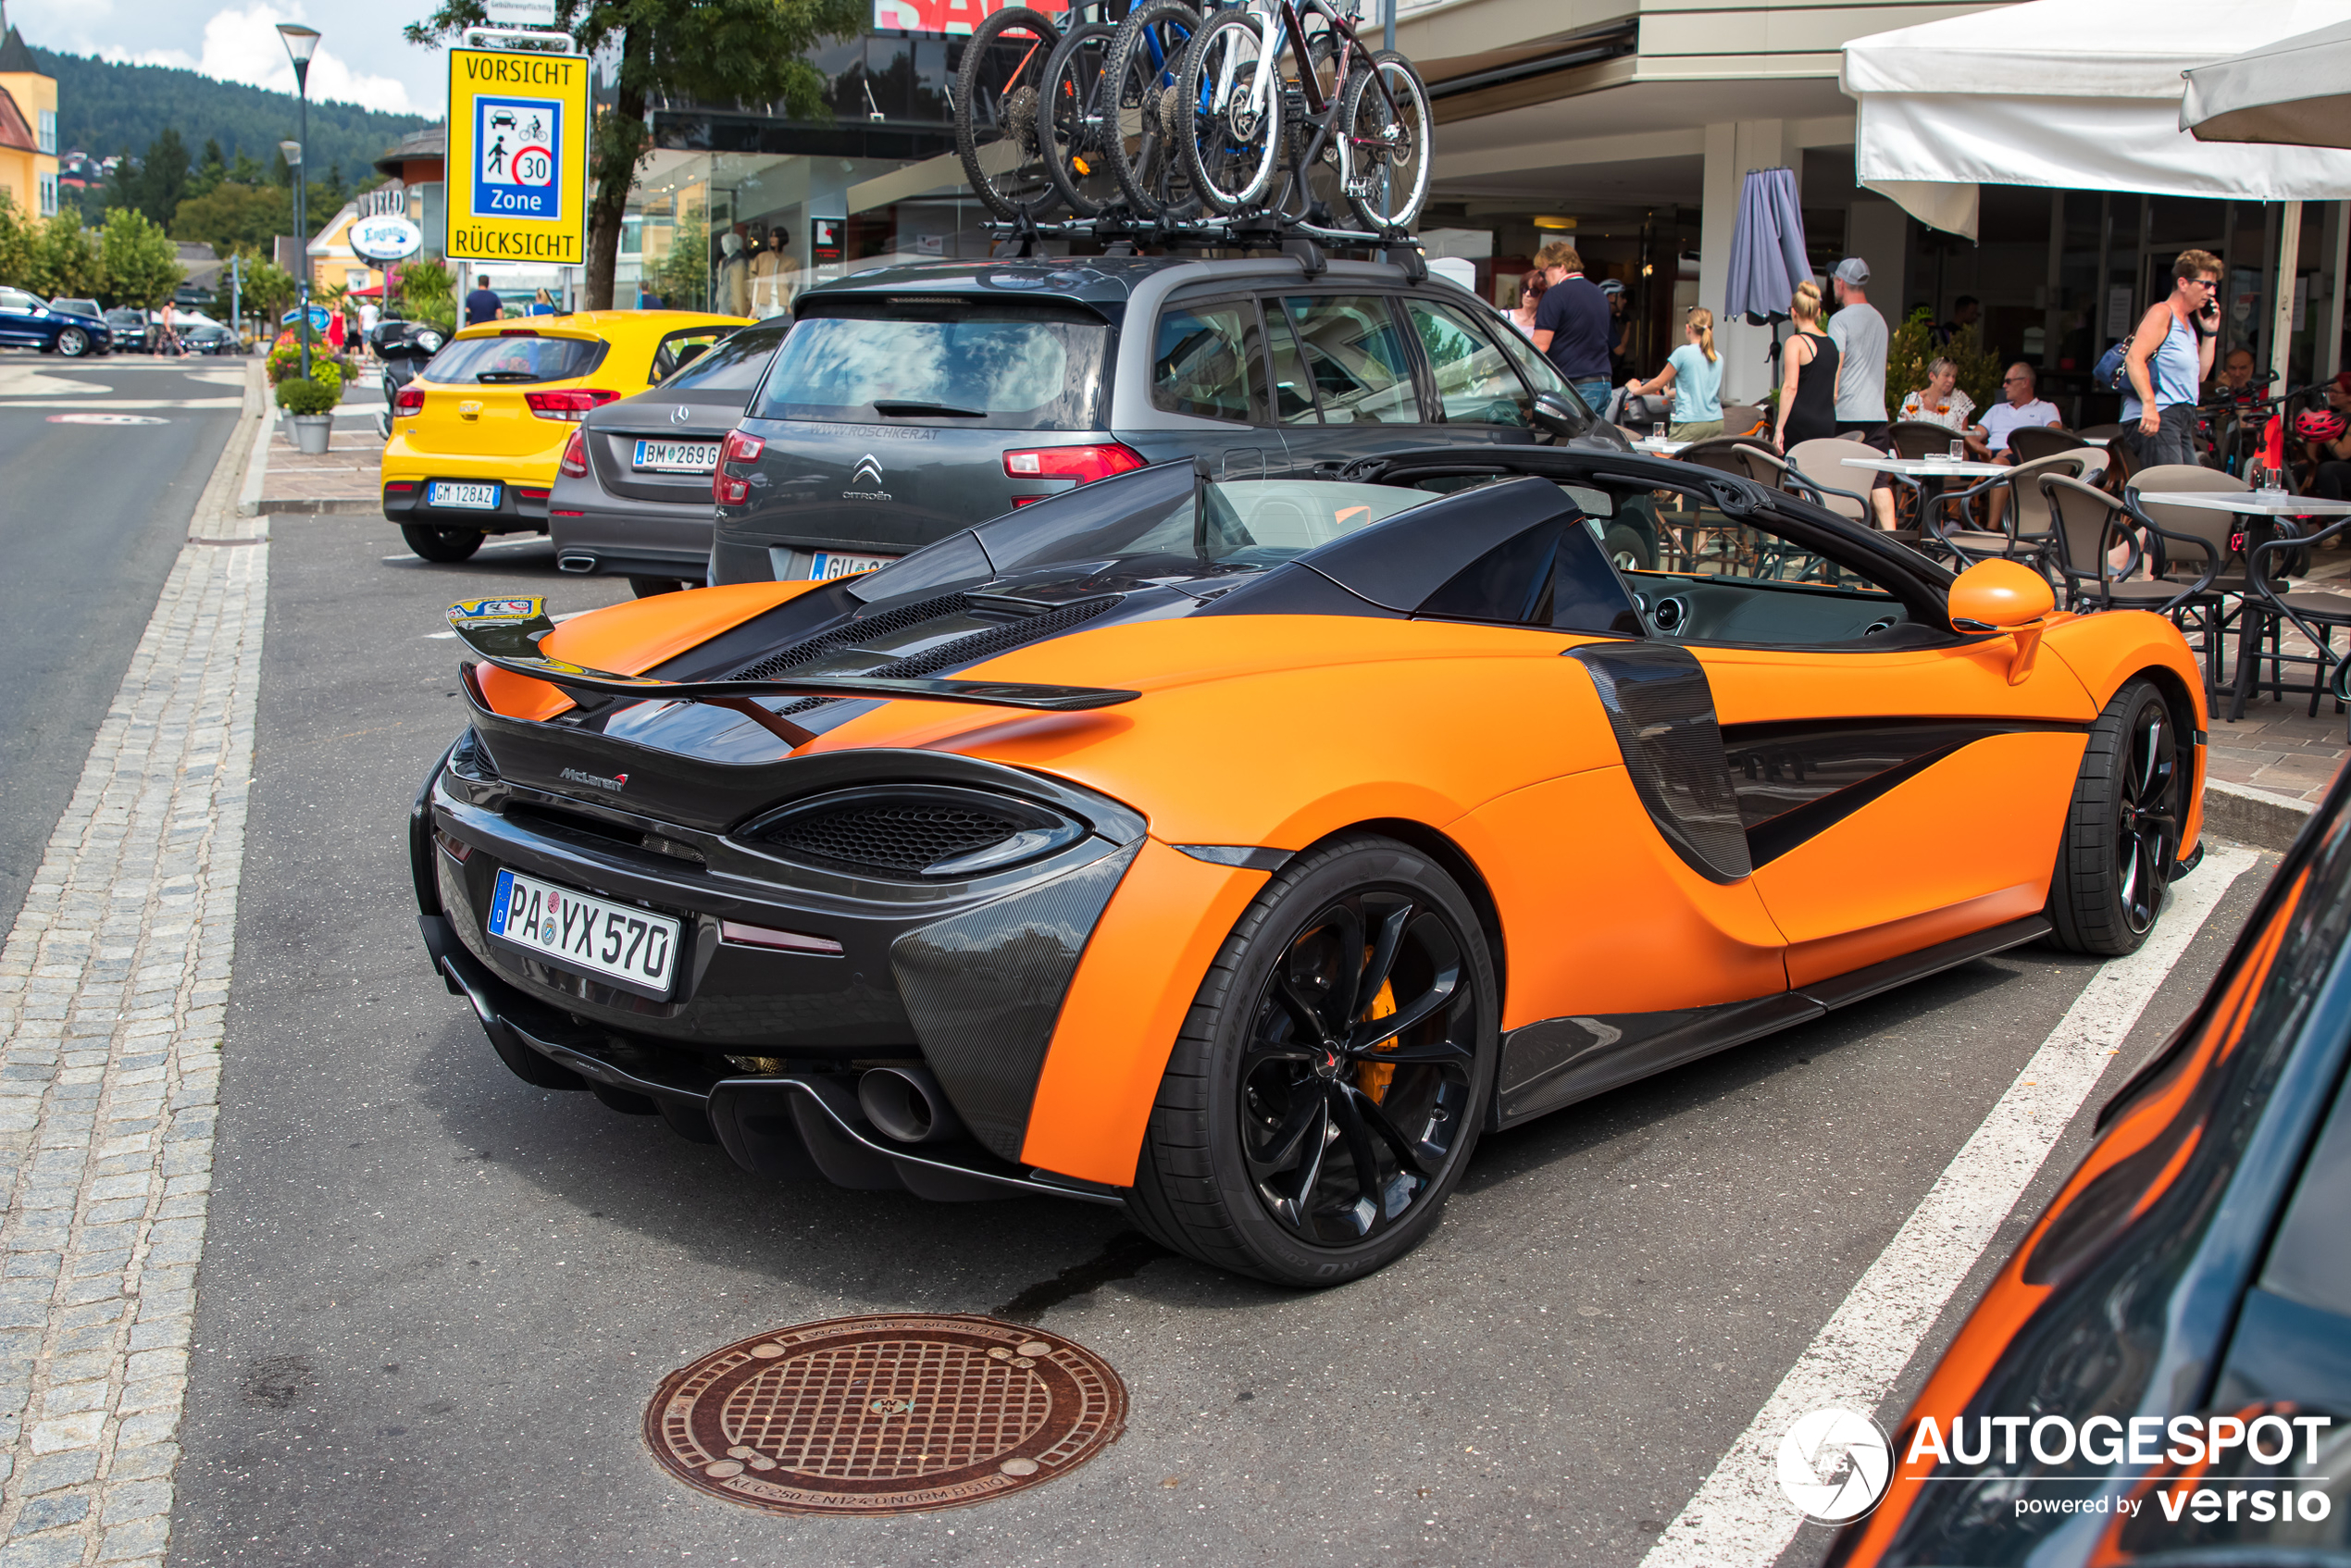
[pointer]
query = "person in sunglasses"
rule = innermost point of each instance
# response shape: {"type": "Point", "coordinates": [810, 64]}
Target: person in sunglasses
{"type": "Point", "coordinates": [2020, 406]}
{"type": "Point", "coordinates": [2170, 357]}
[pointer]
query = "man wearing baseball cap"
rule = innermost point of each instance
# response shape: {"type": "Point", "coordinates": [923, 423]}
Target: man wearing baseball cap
{"type": "Point", "coordinates": [1861, 337]}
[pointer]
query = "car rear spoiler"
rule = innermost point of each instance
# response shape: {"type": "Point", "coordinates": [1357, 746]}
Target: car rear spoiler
{"type": "Point", "coordinates": [506, 633]}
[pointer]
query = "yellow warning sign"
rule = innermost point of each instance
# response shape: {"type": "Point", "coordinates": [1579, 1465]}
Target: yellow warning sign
{"type": "Point", "coordinates": [517, 165]}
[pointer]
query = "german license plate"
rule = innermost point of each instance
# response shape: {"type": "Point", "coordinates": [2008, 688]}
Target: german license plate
{"type": "Point", "coordinates": [676, 456]}
{"type": "Point", "coordinates": [828, 565]}
{"type": "Point", "coordinates": [471, 497]}
{"type": "Point", "coordinates": [618, 941]}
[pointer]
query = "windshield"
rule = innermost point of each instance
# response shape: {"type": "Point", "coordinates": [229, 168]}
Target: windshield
{"type": "Point", "coordinates": [516, 359]}
{"type": "Point", "coordinates": [735, 365]}
{"type": "Point", "coordinates": [991, 367]}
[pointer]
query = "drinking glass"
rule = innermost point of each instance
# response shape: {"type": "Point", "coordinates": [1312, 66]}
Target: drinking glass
{"type": "Point", "coordinates": [1958, 451]}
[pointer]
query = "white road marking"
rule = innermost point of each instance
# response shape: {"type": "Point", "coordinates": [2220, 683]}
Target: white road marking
{"type": "Point", "coordinates": [122, 402]}
{"type": "Point", "coordinates": [1739, 1517]}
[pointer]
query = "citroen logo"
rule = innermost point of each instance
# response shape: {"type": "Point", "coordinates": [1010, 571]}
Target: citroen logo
{"type": "Point", "coordinates": [867, 472]}
{"type": "Point", "coordinates": [680, 413]}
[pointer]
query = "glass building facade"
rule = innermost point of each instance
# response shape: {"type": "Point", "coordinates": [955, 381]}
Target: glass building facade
{"type": "Point", "coordinates": [736, 209]}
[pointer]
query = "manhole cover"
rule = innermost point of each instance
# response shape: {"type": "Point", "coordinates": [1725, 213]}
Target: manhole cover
{"type": "Point", "coordinates": [885, 1414]}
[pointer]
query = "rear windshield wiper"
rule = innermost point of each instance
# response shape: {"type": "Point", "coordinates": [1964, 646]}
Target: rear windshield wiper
{"type": "Point", "coordinates": [509, 376]}
{"type": "Point", "coordinates": [897, 405]}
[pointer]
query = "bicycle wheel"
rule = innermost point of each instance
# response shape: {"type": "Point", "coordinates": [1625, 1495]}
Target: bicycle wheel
{"type": "Point", "coordinates": [1074, 122]}
{"type": "Point", "coordinates": [1145, 60]}
{"type": "Point", "coordinates": [1232, 112]}
{"type": "Point", "coordinates": [998, 94]}
{"type": "Point", "coordinates": [1384, 141]}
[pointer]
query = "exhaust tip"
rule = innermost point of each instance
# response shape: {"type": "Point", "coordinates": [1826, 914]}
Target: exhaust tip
{"type": "Point", "coordinates": [574, 563]}
{"type": "Point", "coordinates": [906, 1105]}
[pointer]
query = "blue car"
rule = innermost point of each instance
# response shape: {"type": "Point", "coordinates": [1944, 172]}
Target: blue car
{"type": "Point", "coordinates": [27, 321]}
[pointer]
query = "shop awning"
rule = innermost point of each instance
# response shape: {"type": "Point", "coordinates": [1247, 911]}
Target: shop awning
{"type": "Point", "coordinates": [2296, 92]}
{"type": "Point", "coordinates": [2080, 95]}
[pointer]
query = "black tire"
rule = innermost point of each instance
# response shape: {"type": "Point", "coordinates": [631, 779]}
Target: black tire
{"type": "Point", "coordinates": [73, 343]}
{"type": "Point", "coordinates": [1625, 546]}
{"type": "Point", "coordinates": [1363, 121]}
{"type": "Point", "coordinates": [646, 587]}
{"type": "Point", "coordinates": [1072, 124]}
{"type": "Point", "coordinates": [1262, 1102]}
{"type": "Point", "coordinates": [1141, 144]}
{"type": "Point", "coordinates": [999, 94]}
{"type": "Point", "coordinates": [445, 545]}
{"type": "Point", "coordinates": [2123, 828]}
{"type": "Point", "coordinates": [1231, 156]}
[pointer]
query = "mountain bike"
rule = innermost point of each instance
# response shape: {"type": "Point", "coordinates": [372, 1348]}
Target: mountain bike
{"type": "Point", "coordinates": [1000, 93]}
{"type": "Point", "coordinates": [1238, 110]}
{"type": "Point", "coordinates": [1143, 120]}
{"type": "Point", "coordinates": [1074, 127]}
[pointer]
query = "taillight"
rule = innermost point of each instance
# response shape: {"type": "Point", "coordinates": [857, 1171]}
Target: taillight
{"type": "Point", "coordinates": [725, 488]}
{"type": "Point", "coordinates": [409, 400]}
{"type": "Point", "coordinates": [574, 461]}
{"type": "Point", "coordinates": [574, 405]}
{"type": "Point", "coordinates": [1084, 464]}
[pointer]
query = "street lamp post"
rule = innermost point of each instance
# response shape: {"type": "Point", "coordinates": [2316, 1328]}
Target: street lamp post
{"type": "Point", "coordinates": [301, 44]}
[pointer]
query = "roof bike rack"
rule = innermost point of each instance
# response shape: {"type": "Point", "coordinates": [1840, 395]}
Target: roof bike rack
{"type": "Point", "coordinates": [1120, 232]}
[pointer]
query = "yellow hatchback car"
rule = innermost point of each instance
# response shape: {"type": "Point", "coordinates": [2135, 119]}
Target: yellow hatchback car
{"type": "Point", "coordinates": [477, 436]}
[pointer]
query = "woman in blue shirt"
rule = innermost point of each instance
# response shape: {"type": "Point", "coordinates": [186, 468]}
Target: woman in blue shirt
{"type": "Point", "coordinates": [1695, 372]}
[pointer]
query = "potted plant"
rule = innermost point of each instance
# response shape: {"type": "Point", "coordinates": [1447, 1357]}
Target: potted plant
{"type": "Point", "coordinates": [311, 403]}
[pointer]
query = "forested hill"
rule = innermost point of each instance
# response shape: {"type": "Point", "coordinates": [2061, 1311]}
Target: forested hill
{"type": "Point", "coordinates": [101, 109]}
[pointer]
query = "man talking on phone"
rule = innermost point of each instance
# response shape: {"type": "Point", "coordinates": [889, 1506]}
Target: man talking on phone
{"type": "Point", "coordinates": [2171, 355]}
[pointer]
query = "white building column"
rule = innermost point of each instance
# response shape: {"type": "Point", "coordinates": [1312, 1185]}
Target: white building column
{"type": "Point", "coordinates": [1731, 150]}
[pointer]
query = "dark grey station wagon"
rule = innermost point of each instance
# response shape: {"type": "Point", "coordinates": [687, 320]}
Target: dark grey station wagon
{"type": "Point", "coordinates": [912, 402]}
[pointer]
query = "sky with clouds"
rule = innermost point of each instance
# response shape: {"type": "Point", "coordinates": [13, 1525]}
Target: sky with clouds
{"type": "Point", "coordinates": [361, 60]}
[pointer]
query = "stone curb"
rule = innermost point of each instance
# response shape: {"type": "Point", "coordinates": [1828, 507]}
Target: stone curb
{"type": "Point", "coordinates": [336, 507]}
{"type": "Point", "coordinates": [258, 453]}
{"type": "Point", "coordinates": [2253, 816]}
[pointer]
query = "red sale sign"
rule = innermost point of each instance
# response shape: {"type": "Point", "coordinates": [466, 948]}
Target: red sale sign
{"type": "Point", "coordinates": [947, 16]}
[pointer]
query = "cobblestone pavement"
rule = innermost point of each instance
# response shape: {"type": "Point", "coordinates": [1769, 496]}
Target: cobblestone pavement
{"type": "Point", "coordinates": [113, 988]}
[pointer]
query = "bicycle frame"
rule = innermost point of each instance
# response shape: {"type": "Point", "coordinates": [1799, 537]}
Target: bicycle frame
{"type": "Point", "coordinates": [1285, 27]}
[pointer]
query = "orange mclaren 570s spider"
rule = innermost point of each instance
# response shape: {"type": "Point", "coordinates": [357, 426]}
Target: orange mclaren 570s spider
{"type": "Point", "coordinates": [1237, 852]}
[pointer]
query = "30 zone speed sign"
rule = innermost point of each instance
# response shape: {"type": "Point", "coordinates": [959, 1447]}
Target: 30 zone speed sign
{"type": "Point", "coordinates": [518, 157]}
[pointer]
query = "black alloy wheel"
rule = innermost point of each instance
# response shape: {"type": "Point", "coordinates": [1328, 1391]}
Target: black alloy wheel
{"type": "Point", "coordinates": [73, 343]}
{"type": "Point", "coordinates": [2122, 840]}
{"type": "Point", "coordinates": [445, 545]}
{"type": "Point", "coordinates": [1333, 1074]}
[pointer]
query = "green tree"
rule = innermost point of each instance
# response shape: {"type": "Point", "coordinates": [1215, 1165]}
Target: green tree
{"type": "Point", "coordinates": [211, 169]}
{"type": "Point", "coordinates": [233, 216]}
{"type": "Point", "coordinates": [713, 51]}
{"type": "Point", "coordinates": [428, 293]}
{"type": "Point", "coordinates": [65, 259]}
{"type": "Point", "coordinates": [18, 239]}
{"type": "Point", "coordinates": [123, 185]}
{"type": "Point", "coordinates": [162, 176]}
{"type": "Point", "coordinates": [139, 264]}
{"type": "Point", "coordinates": [269, 290]}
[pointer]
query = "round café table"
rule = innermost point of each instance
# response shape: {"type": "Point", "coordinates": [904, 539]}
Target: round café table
{"type": "Point", "coordinates": [2262, 509]}
{"type": "Point", "coordinates": [1931, 472]}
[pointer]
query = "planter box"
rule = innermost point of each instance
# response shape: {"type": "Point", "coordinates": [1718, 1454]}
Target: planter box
{"type": "Point", "coordinates": [311, 433]}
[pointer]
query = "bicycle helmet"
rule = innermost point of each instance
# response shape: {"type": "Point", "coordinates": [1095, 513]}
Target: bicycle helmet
{"type": "Point", "coordinates": [1610, 286]}
{"type": "Point", "coordinates": [2319, 425]}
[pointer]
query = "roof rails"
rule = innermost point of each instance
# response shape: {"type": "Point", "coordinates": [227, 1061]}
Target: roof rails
{"type": "Point", "coordinates": [1120, 233]}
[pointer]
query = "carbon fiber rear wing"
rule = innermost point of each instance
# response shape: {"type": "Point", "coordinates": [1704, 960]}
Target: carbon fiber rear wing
{"type": "Point", "coordinates": [506, 633]}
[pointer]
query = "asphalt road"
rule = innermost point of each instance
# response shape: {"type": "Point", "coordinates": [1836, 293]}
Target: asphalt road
{"type": "Point", "coordinates": [91, 518]}
{"type": "Point", "coordinates": [435, 1300]}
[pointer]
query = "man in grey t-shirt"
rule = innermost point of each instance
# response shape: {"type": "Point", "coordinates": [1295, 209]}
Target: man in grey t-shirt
{"type": "Point", "coordinates": [1860, 334]}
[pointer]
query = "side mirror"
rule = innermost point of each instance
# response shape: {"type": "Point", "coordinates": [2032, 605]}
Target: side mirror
{"type": "Point", "coordinates": [1999, 596]}
{"type": "Point", "coordinates": [1559, 418]}
{"type": "Point", "coordinates": [2004, 597]}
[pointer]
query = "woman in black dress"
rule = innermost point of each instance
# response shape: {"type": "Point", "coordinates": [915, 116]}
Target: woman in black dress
{"type": "Point", "coordinates": [1807, 381]}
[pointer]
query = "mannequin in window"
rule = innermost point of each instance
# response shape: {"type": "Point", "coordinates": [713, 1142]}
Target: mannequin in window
{"type": "Point", "coordinates": [734, 276]}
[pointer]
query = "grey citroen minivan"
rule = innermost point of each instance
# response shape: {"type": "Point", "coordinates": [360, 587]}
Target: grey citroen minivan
{"type": "Point", "coordinates": [912, 402]}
